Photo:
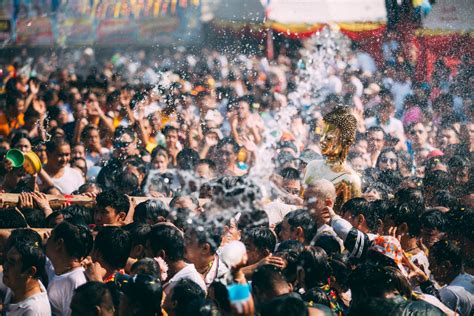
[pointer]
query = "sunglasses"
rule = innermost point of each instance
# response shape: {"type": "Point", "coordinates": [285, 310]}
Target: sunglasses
{"type": "Point", "coordinates": [415, 131]}
{"type": "Point", "coordinates": [121, 144]}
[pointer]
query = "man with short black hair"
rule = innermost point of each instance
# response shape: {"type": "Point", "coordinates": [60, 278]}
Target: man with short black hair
{"type": "Point", "coordinates": [93, 299]}
{"type": "Point", "coordinates": [182, 293]}
{"type": "Point", "coordinates": [112, 208]}
{"type": "Point", "coordinates": [112, 247]}
{"type": "Point", "coordinates": [167, 242]}
{"type": "Point", "coordinates": [375, 142]}
{"type": "Point", "coordinates": [298, 225]}
{"type": "Point", "coordinates": [66, 248]}
{"type": "Point", "coordinates": [22, 269]}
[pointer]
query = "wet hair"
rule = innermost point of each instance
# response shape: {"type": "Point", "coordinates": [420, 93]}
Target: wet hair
{"type": "Point", "coordinates": [373, 129]}
{"type": "Point", "coordinates": [178, 196]}
{"type": "Point", "coordinates": [32, 255]}
{"type": "Point", "coordinates": [77, 214]}
{"type": "Point", "coordinates": [144, 293]}
{"type": "Point", "coordinates": [147, 266]}
{"type": "Point", "coordinates": [252, 219]}
{"type": "Point", "coordinates": [77, 239]}
{"type": "Point", "coordinates": [150, 211]}
{"type": "Point", "coordinates": [290, 174]}
{"type": "Point", "coordinates": [11, 218]}
{"type": "Point", "coordinates": [289, 250]}
{"type": "Point", "coordinates": [262, 238]}
{"type": "Point", "coordinates": [355, 206]}
{"type": "Point", "coordinates": [377, 210]}
{"type": "Point", "coordinates": [121, 130]}
{"type": "Point", "coordinates": [209, 162]}
{"type": "Point", "coordinates": [228, 141]}
{"type": "Point", "coordinates": [169, 128]}
{"type": "Point", "coordinates": [34, 217]}
{"type": "Point", "coordinates": [268, 278]}
{"type": "Point", "coordinates": [314, 261]}
{"type": "Point", "coordinates": [187, 159]}
{"type": "Point", "coordinates": [445, 199]}
{"type": "Point", "coordinates": [409, 215]}
{"type": "Point", "coordinates": [437, 179]}
{"type": "Point", "coordinates": [329, 244]}
{"type": "Point", "coordinates": [169, 239]}
{"type": "Point", "coordinates": [159, 151]}
{"type": "Point", "coordinates": [446, 250]}
{"type": "Point", "coordinates": [114, 244]}
{"type": "Point", "coordinates": [118, 201]}
{"type": "Point", "coordinates": [371, 281]}
{"type": "Point", "coordinates": [138, 233]}
{"type": "Point", "coordinates": [302, 218]}
{"type": "Point", "coordinates": [284, 305]}
{"type": "Point", "coordinates": [55, 143]}
{"type": "Point", "coordinates": [413, 197]}
{"type": "Point", "coordinates": [17, 137]}
{"type": "Point", "coordinates": [127, 183]}
{"type": "Point", "coordinates": [203, 307]}
{"type": "Point", "coordinates": [183, 292]}
{"type": "Point", "coordinates": [92, 294]}
{"type": "Point", "coordinates": [434, 219]}
{"type": "Point", "coordinates": [207, 230]}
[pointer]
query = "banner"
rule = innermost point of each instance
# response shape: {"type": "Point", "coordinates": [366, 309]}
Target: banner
{"type": "Point", "coordinates": [103, 22]}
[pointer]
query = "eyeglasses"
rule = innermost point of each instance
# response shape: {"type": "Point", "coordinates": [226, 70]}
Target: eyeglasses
{"type": "Point", "coordinates": [121, 144]}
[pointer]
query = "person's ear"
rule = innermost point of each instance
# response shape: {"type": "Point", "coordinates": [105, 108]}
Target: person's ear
{"type": "Point", "coordinates": [206, 248]}
{"type": "Point", "coordinates": [98, 310]}
{"type": "Point", "coordinates": [402, 229]}
{"type": "Point", "coordinates": [31, 271]}
{"type": "Point", "coordinates": [360, 219]}
{"type": "Point", "coordinates": [380, 227]}
{"type": "Point", "coordinates": [121, 216]}
{"type": "Point", "coordinates": [266, 253]}
{"type": "Point", "coordinates": [299, 233]}
{"type": "Point", "coordinates": [139, 250]}
{"type": "Point", "coordinates": [161, 254]}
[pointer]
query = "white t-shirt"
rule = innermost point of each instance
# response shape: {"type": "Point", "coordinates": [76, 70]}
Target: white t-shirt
{"type": "Point", "coordinates": [393, 127]}
{"type": "Point", "coordinates": [35, 305]}
{"type": "Point", "coordinates": [189, 272]}
{"type": "Point", "coordinates": [70, 181]}
{"type": "Point", "coordinates": [459, 294]}
{"type": "Point", "coordinates": [217, 272]}
{"type": "Point", "coordinates": [61, 289]}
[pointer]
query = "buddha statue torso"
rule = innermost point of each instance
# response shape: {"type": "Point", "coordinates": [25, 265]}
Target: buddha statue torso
{"type": "Point", "coordinates": [338, 134]}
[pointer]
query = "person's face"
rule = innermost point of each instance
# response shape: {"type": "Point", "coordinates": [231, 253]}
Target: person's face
{"type": "Point", "coordinates": [155, 122]}
{"type": "Point", "coordinates": [244, 110]}
{"type": "Point", "coordinates": [359, 164]}
{"type": "Point", "coordinates": [42, 154]}
{"type": "Point", "coordinates": [286, 233]}
{"type": "Point", "coordinates": [78, 152]}
{"type": "Point", "coordinates": [361, 147]}
{"type": "Point", "coordinates": [430, 236]}
{"type": "Point", "coordinates": [185, 202]}
{"type": "Point", "coordinates": [293, 187]}
{"type": "Point", "coordinates": [371, 195]}
{"type": "Point", "coordinates": [253, 253]}
{"type": "Point", "coordinates": [125, 146]}
{"type": "Point", "coordinates": [20, 105]}
{"type": "Point", "coordinates": [312, 202]}
{"type": "Point", "coordinates": [330, 141]}
{"type": "Point", "coordinates": [375, 141]}
{"type": "Point", "coordinates": [193, 251]}
{"type": "Point", "coordinates": [418, 134]}
{"type": "Point", "coordinates": [385, 111]}
{"type": "Point", "coordinates": [61, 156]}
{"type": "Point", "coordinates": [470, 130]}
{"type": "Point", "coordinates": [388, 161]}
{"type": "Point", "coordinates": [228, 157]}
{"type": "Point", "coordinates": [448, 137]}
{"type": "Point", "coordinates": [160, 162]}
{"type": "Point", "coordinates": [460, 175]}
{"type": "Point", "coordinates": [24, 145]}
{"type": "Point", "coordinates": [108, 216]}
{"type": "Point", "coordinates": [13, 276]}
{"type": "Point", "coordinates": [171, 139]}
{"type": "Point", "coordinates": [204, 171]}
{"type": "Point", "coordinates": [93, 139]}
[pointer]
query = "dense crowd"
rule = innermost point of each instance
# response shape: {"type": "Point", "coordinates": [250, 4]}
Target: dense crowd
{"type": "Point", "coordinates": [231, 227]}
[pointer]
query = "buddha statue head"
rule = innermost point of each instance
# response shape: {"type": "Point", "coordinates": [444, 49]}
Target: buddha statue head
{"type": "Point", "coordinates": [339, 133]}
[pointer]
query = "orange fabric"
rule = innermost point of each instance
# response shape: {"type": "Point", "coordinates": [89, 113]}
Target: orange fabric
{"type": "Point", "coordinates": [7, 125]}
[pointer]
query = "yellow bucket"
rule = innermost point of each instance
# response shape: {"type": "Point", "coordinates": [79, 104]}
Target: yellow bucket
{"type": "Point", "coordinates": [32, 164]}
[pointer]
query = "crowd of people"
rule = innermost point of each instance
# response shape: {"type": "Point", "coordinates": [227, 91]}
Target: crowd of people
{"type": "Point", "coordinates": [192, 131]}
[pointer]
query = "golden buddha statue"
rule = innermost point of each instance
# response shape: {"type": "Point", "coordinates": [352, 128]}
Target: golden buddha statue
{"type": "Point", "coordinates": [338, 135]}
